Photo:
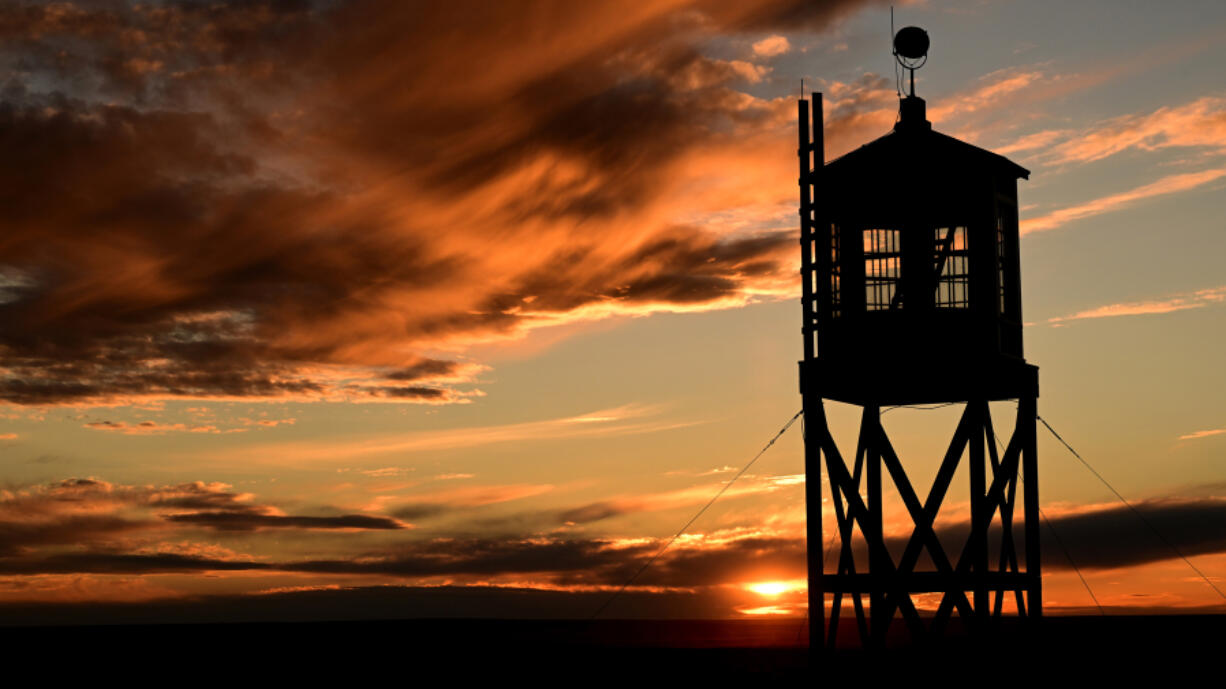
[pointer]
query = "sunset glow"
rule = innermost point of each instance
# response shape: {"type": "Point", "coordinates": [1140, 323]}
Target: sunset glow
{"type": "Point", "coordinates": [775, 588]}
{"type": "Point", "coordinates": [766, 610]}
{"type": "Point", "coordinates": [391, 308]}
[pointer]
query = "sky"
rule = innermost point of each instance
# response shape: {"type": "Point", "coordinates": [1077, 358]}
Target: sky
{"type": "Point", "coordinates": [379, 308]}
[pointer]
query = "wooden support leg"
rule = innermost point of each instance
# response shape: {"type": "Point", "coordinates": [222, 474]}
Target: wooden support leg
{"type": "Point", "coordinates": [1027, 412]}
{"type": "Point", "coordinates": [815, 425]}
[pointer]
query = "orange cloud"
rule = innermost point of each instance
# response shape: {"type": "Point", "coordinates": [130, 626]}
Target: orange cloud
{"type": "Point", "coordinates": [1167, 185]}
{"type": "Point", "coordinates": [772, 46]}
{"type": "Point", "coordinates": [991, 92]}
{"type": "Point", "coordinates": [1201, 123]}
{"type": "Point", "coordinates": [1043, 139]}
{"type": "Point", "coordinates": [202, 217]}
{"type": "Point", "coordinates": [624, 420]}
{"type": "Point", "coordinates": [1203, 434]}
{"type": "Point", "coordinates": [1178, 302]}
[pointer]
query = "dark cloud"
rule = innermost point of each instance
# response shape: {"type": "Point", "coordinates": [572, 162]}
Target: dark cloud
{"type": "Point", "coordinates": [287, 199]}
{"type": "Point", "coordinates": [387, 603]}
{"type": "Point", "coordinates": [1098, 539]}
{"type": "Point", "coordinates": [480, 557]}
{"type": "Point", "coordinates": [564, 561]}
{"type": "Point", "coordinates": [744, 559]}
{"type": "Point", "coordinates": [18, 537]}
{"type": "Point", "coordinates": [121, 563]}
{"type": "Point", "coordinates": [1109, 538]}
{"type": "Point", "coordinates": [245, 521]}
{"type": "Point", "coordinates": [1117, 537]}
{"type": "Point", "coordinates": [94, 514]}
{"type": "Point", "coordinates": [529, 521]}
{"type": "Point", "coordinates": [592, 512]}
{"type": "Point", "coordinates": [426, 369]}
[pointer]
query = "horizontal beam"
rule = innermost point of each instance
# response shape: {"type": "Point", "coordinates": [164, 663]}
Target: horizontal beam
{"type": "Point", "coordinates": [865, 380]}
{"type": "Point", "coordinates": [925, 582]}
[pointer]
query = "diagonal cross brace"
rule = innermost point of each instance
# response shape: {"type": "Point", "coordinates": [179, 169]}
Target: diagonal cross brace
{"type": "Point", "coordinates": [995, 497]}
{"type": "Point", "coordinates": [841, 481]}
{"type": "Point", "coordinates": [924, 517]}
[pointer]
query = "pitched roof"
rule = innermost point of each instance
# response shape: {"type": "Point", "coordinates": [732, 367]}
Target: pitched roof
{"type": "Point", "coordinates": [914, 141]}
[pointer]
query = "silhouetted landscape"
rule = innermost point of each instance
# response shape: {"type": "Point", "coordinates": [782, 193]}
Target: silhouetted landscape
{"type": "Point", "coordinates": [612, 340]}
{"type": "Point", "coordinates": [1176, 645]}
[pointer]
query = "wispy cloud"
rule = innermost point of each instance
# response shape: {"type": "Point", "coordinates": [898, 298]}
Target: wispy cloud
{"type": "Point", "coordinates": [1203, 434]}
{"type": "Point", "coordinates": [154, 428]}
{"type": "Point", "coordinates": [1042, 139]}
{"type": "Point", "coordinates": [89, 512]}
{"type": "Point", "coordinates": [449, 501]}
{"type": "Point", "coordinates": [624, 420]}
{"type": "Point", "coordinates": [989, 93]}
{"type": "Point", "coordinates": [1198, 124]}
{"type": "Point", "coordinates": [1167, 185]}
{"type": "Point", "coordinates": [1175, 302]}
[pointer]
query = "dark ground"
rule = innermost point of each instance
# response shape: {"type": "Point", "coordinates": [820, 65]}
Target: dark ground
{"type": "Point", "coordinates": [630, 651]}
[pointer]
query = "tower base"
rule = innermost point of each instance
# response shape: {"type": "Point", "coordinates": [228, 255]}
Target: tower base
{"type": "Point", "coordinates": [976, 585]}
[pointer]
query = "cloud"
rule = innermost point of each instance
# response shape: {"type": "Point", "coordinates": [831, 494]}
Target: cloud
{"type": "Point", "coordinates": [1029, 142]}
{"type": "Point", "coordinates": [122, 563]}
{"type": "Point", "coordinates": [1203, 434]}
{"type": "Point", "coordinates": [1198, 124]}
{"type": "Point", "coordinates": [1112, 536]}
{"type": "Point", "coordinates": [245, 521]}
{"type": "Point", "coordinates": [239, 425]}
{"type": "Point", "coordinates": [91, 513]}
{"type": "Point", "coordinates": [398, 602]}
{"type": "Point", "coordinates": [858, 111]}
{"type": "Point", "coordinates": [991, 92]}
{"type": "Point", "coordinates": [698, 561]}
{"type": "Point", "coordinates": [18, 536]}
{"type": "Point", "coordinates": [623, 420]}
{"type": "Point", "coordinates": [1099, 538]}
{"type": "Point", "coordinates": [440, 502]}
{"type": "Point", "coordinates": [151, 427]}
{"type": "Point", "coordinates": [1166, 185]}
{"type": "Point", "coordinates": [772, 46]}
{"type": "Point", "coordinates": [479, 557]}
{"type": "Point", "coordinates": [249, 201]}
{"type": "Point", "coordinates": [627, 504]}
{"type": "Point", "coordinates": [1115, 537]}
{"type": "Point", "coordinates": [1176, 302]}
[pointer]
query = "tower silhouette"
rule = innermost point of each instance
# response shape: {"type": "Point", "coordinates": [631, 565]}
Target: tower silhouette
{"type": "Point", "coordinates": [911, 295]}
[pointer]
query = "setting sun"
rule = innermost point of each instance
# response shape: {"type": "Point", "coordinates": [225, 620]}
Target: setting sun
{"type": "Point", "coordinates": [774, 588]}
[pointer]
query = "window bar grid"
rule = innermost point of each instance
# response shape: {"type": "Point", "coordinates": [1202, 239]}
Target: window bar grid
{"type": "Point", "coordinates": [1000, 261]}
{"type": "Point", "coordinates": [882, 261]}
{"type": "Point", "coordinates": [952, 258]}
{"type": "Point", "coordinates": [836, 275]}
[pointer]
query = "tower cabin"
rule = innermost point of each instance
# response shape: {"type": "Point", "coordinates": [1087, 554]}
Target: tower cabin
{"type": "Point", "coordinates": [915, 271]}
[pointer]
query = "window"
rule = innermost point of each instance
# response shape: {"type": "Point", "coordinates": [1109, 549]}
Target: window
{"type": "Point", "coordinates": [1001, 273]}
{"type": "Point", "coordinates": [882, 267]}
{"type": "Point", "coordinates": [836, 274]}
{"type": "Point", "coordinates": [952, 268]}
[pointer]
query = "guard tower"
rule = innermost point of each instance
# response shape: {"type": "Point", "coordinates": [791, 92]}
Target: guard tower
{"type": "Point", "coordinates": [912, 295]}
